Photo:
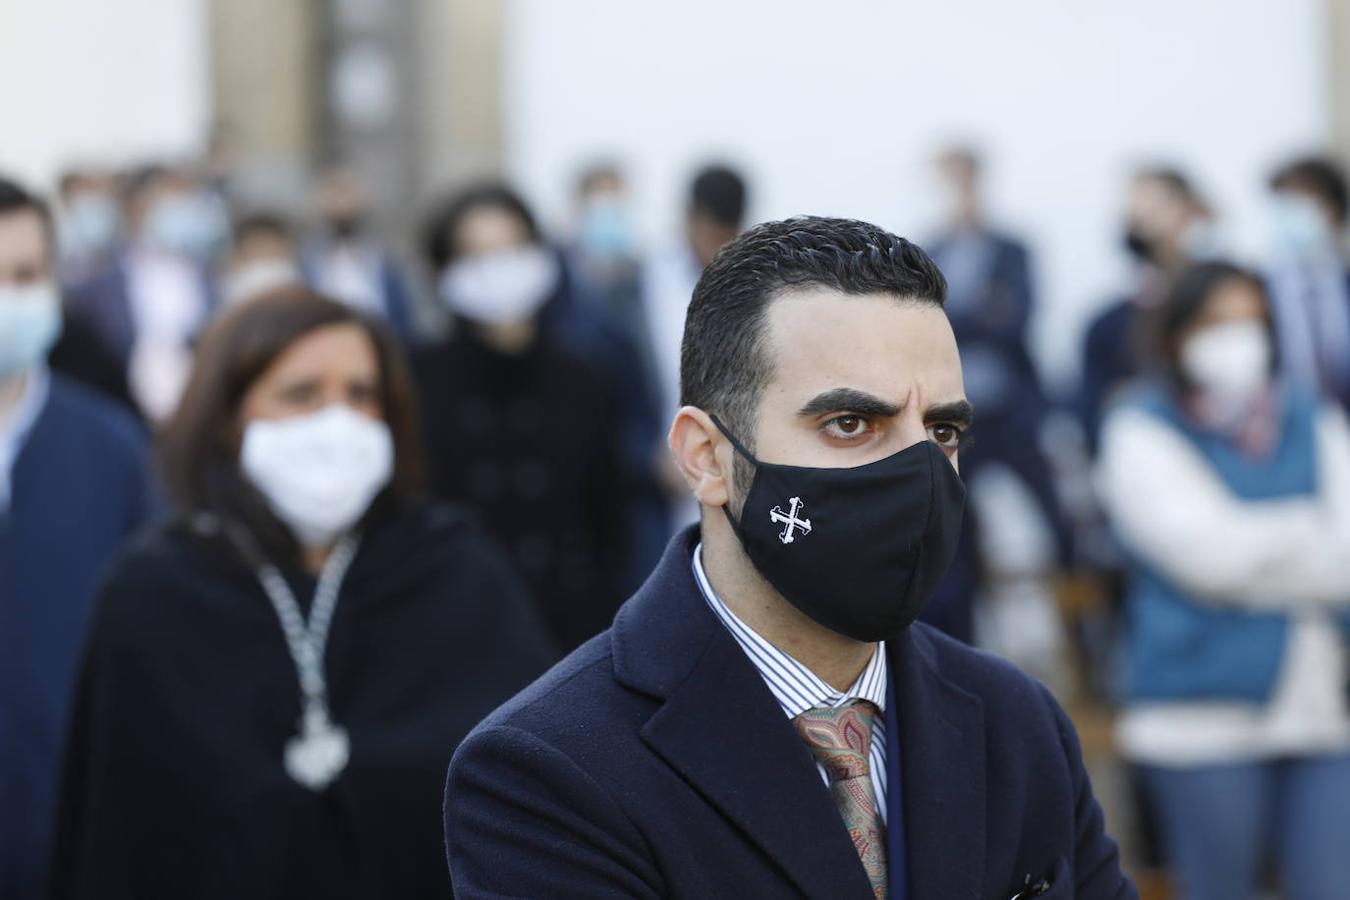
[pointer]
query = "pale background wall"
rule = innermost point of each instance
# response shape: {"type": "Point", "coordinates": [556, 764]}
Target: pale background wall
{"type": "Point", "coordinates": [835, 107]}
{"type": "Point", "coordinates": [831, 108]}
{"type": "Point", "coordinates": [109, 80]}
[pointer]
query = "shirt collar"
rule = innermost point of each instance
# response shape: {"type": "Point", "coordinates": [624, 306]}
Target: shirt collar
{"type": "Point", "coordinates": [796, 687]}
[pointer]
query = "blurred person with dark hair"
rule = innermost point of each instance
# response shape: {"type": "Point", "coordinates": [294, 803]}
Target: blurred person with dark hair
{"type": "Point", "coordinates": [519, 424]}
{"type": "Point", "coordinates": [1168, 225]}
{"type": "Point", "coordinates": [263, 257]}
{"type": "Point", "coordinates": [73, 485]}
{"type": "Point", "coordinates": [275, 677]}
{"type": "Point", "coordinates": [714, 213]}
{"type": "Point", "coordinates": [1230, 492]}
{"type": "Point", "coordinates": [148, 305]}
{"type": "Point", "coordinates": [1309, 282]}
{"type": "Point", "coordinates": [346, 258]}
{"type": "Point", "coordinates": [989, 305]}
{"type": "Point", "coordinates": [89, 221]}
{"type": "Point", "coordinates": [765, 717]}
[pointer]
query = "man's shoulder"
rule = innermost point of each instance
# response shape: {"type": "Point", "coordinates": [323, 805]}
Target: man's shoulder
{"type": "Point", "coordinates": [579, 688]}
{"type": "Point", "coordinates": [1007, 693]}
{"type": "Point", "coordinates": [96, 417]}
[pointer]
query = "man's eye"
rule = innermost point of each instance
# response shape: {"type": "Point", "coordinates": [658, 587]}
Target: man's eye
{"type": "Point", "coordinates": [846, 426]}
{"type": "Point", "coordinates": [946, 435]}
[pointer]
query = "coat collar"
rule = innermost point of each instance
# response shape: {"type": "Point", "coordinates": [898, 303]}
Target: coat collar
{"type": "Point", "coordinates": [722, 730]}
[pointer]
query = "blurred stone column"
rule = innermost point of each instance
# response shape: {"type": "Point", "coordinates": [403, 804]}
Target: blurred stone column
{"type": "Point", "coordinates": [1338, 39]}
{"type": "Point", "coordinates": [263, 94]}
{"type": "Point", "coordinates": [462, 103]}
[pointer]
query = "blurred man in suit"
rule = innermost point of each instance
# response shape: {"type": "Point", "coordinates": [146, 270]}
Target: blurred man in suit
{"type": "Point", "coordinates": [73, 485]}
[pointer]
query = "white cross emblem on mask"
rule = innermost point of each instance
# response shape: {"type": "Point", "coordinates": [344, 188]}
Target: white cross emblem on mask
{"type": "Point", "coordinates": [790, 521]}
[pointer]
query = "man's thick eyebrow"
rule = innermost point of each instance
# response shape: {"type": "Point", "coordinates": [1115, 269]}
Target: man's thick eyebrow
{"type": "Point", "coordinates": [850, 400]}
{"type": "Point", "coordinates": [959, 412]}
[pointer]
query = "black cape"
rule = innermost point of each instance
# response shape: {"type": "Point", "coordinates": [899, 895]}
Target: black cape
{"type": "Point", "coordinates": [531, 443]}
{"type": "Point", "coordinates": [174, 785]}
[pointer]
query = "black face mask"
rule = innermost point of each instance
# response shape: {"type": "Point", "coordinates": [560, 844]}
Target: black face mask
{"type": "Point", "coordinates": [345, 228]}
{"type": "Point", "coordinates": [1138, 246]}
{"type": "Point", "coordinates": [859, 550]}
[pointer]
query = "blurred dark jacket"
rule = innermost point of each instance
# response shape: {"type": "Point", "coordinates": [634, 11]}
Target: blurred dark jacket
{"type": "Point", "coordinates": [174, 785]}
{"type": "Point", "coordinates": [533, 443]}
{"type": "Point", "coordinates": [1111, 358]}
{"type": "Point", "coordinates": [80, 487]}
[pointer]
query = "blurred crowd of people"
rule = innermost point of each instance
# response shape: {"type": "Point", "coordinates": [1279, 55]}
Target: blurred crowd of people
{"type": "Point", "coordinates": [283, 508]}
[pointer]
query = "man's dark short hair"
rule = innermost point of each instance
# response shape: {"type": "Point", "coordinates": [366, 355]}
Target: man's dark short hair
{"type": "Point", "coordinates": [718, 192]}
{"type": "Point", "coordinates": [1319, 176]}
{"type": "Point", "coordinates": [724, 365]}
{"type": "Point", "coordinates": [15, 198]}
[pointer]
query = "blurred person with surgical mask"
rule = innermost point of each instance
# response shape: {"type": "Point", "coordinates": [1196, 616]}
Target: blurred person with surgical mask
{"type": "Point", "coordinates": [604, 260]}
{"type": "Point", "coordinates": [149, 303]}
{"type": "Point", "coordinates": [74, 484]}
{"type": "Point", "coordinates": [1167, 226]}
{"type": "Point", "coordinates": [89, 221]}
{"type": "Point", "coordinates": [263, 257]}
{"type": "Point", "coordinates": [604, 255]}
{"type": "Point", "coordinates": [1309, 283]}
{"type": "Point", "coordinates": [1230, 492]}
{"type": "Point", "coordinates": [520, 426]}
{"type": "Point", "coordinates": [346, 259]}
{"type": "Point", "coordinates": [276, 677]}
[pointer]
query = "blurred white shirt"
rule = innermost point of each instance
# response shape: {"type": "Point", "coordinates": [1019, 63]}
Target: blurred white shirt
{"type": "Point", "coordinates": [1289, 555]}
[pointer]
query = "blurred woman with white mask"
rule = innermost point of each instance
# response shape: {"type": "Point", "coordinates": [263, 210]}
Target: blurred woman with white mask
{"type": "Point", "coordinates": [520, 426]}
{"type": "Point", "coordinates": [276, 679]}
{"type": "Point", "coordinates": [1230, 493]}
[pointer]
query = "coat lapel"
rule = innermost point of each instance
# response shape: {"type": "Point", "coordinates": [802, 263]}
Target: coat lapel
{"type": "Point", "coordinates": [724, 733]}
{"type": "Point", "coordinates": [942, 752]}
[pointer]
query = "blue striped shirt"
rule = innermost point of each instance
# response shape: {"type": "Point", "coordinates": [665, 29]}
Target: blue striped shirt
{"type": "Point", "coordinates": [798, 689]}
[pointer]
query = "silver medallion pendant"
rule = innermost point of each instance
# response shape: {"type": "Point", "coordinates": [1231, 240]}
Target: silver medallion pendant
{"type": "Point", "coordinates": [316, 756]}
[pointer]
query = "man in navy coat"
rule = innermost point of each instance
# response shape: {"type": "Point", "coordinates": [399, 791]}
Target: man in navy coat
{"type": "Point", "coordinates": [764, 718]}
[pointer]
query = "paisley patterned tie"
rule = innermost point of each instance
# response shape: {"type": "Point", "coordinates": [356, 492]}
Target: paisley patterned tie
{"type": "Point", "coordinates": [839, 739]}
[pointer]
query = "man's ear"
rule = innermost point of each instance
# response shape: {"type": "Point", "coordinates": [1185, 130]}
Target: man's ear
{"type": "Point", "coordinates": [703, 455]}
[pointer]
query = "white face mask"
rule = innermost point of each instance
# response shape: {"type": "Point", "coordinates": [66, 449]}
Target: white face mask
{"type": "Point", "coordinates": [30, 323]}
{"type": "Point", "coordinates": [505, 286]}
{"type": "Point", "coordinates": [1229, 362]}
{"type": "Point", "coordinates": [318, 472]}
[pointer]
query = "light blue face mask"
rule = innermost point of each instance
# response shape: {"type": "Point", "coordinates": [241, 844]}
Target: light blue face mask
{"type": "Point", "coordinates": [1299, 229]}
{"type": "Point", "coordinates": [190, 224]}
{"type": "Point", "coordinates": [89, 224]}
{"type": "Point", "coordinates": [30, 323]}
{"type": "Point", "coordinates": [604, 228]}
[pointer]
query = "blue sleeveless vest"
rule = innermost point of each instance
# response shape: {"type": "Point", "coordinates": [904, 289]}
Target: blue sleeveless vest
{"type": "Point", "coordinates": [1180, 648]}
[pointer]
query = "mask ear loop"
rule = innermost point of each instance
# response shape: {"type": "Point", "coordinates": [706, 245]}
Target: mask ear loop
{"type": "Point", "coordinates": [740, 448]}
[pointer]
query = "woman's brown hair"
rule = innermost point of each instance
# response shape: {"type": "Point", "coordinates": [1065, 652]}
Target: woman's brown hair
{"type": "Point", "coordinates": [200, 445]}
